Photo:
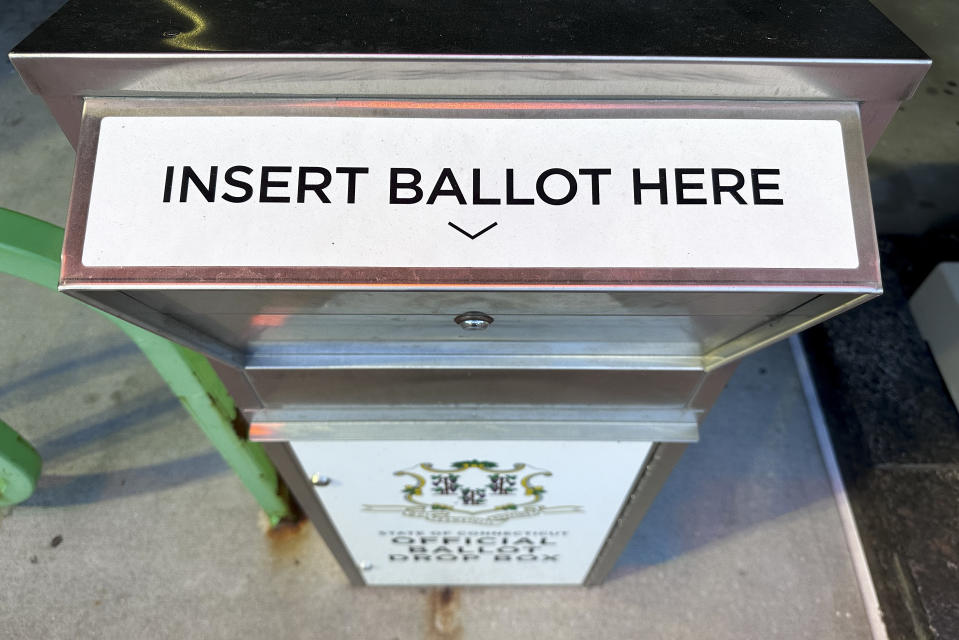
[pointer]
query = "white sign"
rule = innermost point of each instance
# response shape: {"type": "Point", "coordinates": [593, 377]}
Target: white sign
{"type": "Point", "coordinates": [448, 513]}
{"type": "Point", "coordinates": [469, 192]}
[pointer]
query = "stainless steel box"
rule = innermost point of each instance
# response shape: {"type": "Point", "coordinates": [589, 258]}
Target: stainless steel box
{"type": "Point", "coordinates": [578, 351]}
{"type": "Point", "coordinates": [333, 344]}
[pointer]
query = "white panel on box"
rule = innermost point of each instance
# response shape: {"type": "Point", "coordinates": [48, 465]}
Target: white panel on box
{"type": "Point", "coordinates": [473, 513]}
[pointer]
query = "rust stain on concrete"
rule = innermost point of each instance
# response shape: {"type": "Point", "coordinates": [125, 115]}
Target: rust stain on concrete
{"type": "Point", "coordinates": [287, 540]}
{"type": "Point", "coordinates": [443, 614]}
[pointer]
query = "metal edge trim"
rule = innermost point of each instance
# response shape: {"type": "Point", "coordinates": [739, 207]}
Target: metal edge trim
{"type": "Point", "coordinates": [288, 466]}
{"type": "Point", "coordinates": [465, 430]}
{"type": "Point", "coordinates": [72, 284]}
{"type": "Point", "coordinates": [660, 461]}
{"type": "Point", "coordinates": [712, 362]}
{"type": "Point", "coordinates": [421, 57]}
{"type": "Point", "coordinates": [170, 328]}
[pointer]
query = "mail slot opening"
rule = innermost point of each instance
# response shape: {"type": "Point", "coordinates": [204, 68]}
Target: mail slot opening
{"type": "Point", "coordinates": [688, 262]}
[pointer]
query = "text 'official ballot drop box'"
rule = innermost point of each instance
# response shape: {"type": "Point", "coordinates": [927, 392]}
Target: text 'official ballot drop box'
{"type": "Point", "coordinates": [473, 272]}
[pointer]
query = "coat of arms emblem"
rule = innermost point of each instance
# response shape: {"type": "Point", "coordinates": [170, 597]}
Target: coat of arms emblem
{"type": "Point", "coordinates": [473, 491]}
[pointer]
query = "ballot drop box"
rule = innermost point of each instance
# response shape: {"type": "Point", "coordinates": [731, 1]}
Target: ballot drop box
{"type": "Point", "coordinates": [473, 274]}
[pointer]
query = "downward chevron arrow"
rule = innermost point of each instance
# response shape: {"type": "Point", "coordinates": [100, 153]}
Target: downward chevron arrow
{"type": "Point", "coordinates": [472, 236]}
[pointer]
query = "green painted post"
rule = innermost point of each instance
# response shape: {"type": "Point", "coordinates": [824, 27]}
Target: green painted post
{"type": "Point", "coordinates": [192, 379]}
{"type": "Point", "coordinates": [19, 467]}
{"type": "Point", "coordinates": [30, 249]}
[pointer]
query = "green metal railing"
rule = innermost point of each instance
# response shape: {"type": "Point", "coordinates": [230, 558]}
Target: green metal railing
{"type": "Point", "coordinates": [19, 467]}
{"type": "Point", "coordinates": [30, 249]}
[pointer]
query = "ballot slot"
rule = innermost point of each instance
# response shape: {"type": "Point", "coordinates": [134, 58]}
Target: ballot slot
{"type": "Point", "coordinates": [638, 248]}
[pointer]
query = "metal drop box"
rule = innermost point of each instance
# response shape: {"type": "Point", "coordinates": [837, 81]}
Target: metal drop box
{"type": "Point", "coordinates": [624, 347]}
{"type": "Point", "coordinates": [459, 255]}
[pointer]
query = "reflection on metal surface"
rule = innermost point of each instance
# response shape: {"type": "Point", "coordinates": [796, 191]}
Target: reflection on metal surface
{"type": "Point", "coordinates": [878, 86]}
{"type": "Point", "coordinates": [188, 41]}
